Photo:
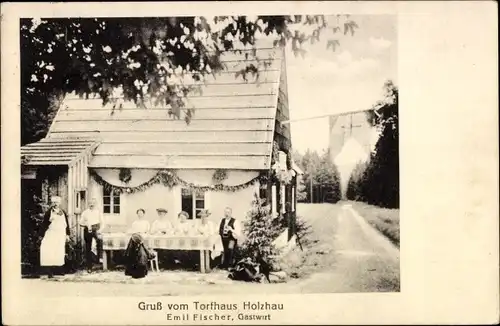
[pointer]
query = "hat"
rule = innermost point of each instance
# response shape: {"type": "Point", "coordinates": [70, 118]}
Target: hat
{"type": "Point", "coordinates": [162, 210]}
{"type": "Point", "coordinates": [183, 213]}
{"type": "Point", "coordinates": [204, 212]}
{"type": "Point", "coordinates": [56, 199]}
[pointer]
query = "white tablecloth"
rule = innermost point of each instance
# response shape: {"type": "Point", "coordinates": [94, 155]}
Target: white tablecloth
{"type": "Point", "coordinates": [119, 241]}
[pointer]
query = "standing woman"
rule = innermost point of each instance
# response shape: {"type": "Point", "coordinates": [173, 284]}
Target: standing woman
{"type": "Point", "coordinates": [55, 233]}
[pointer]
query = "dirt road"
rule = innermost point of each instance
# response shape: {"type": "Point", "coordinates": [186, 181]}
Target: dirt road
{"type": "Point", "coordinates": [362, 260]}
{"type": "Point", "coordinates": [347, 255]}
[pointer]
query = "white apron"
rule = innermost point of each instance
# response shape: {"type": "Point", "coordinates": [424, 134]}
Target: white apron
{"type": "Point", "coordinates": [53, 247]}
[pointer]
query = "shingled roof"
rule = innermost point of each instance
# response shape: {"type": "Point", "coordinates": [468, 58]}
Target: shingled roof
{"type": "Point", "coordinates": [232, 126]}
{"type": "Point", "coordinates": [54, 151]}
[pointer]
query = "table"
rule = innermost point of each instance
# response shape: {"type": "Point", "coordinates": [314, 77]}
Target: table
{"type": "Point", "coordinates": [119, 241]}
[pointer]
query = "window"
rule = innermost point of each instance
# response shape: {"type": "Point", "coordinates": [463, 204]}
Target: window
{"type": "Point", "coordinates": [79, 200]}
{"type": "Point", "coordinates": [111, 202]}
{"type": "Point", "coordinates": [193, 201]}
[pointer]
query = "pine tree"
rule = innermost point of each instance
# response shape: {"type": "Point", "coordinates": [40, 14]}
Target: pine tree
{"type": "Point", "coordinates": [328, 179]}
{"type": "Point", "coordinates": [356, 182]}
{"type": "Point", "coordinates": [261, 229]}
{"type": "Point", "coordinates": [380, 184]}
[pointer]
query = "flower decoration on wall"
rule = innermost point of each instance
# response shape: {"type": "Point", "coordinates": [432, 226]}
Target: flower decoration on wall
{"type": "Point", "coordinates": [125, 175]}
{"type": "Point", "coordinates": [284, 176]}
{"type": "Point", "coordinates": [219, 176]}
{"type": "Point", "coordinates": [170, 179]}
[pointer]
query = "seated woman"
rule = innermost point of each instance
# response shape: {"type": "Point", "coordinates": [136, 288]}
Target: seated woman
{"type": "Point", "coordinates": [162, 225]}
{"type": "Point", "coordinates": [205, 227]}
{"type": "Point", "coordinates": [141, 225]}
{"type": "Point", "coordinates": [183, 227]}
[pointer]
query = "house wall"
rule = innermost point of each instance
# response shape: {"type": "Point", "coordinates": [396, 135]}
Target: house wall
{"type": "Point", "coordinates": [170, 198]}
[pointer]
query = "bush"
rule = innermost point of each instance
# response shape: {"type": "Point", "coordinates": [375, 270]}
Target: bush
{"type": "Point", "coordinates": [32, 217]}
{"type": "Point", "coordinates": [74, 258]}
{"type": "Point", "coordinates": [261, 229]}
{"type": "Point", "coordinates": [303, 229]}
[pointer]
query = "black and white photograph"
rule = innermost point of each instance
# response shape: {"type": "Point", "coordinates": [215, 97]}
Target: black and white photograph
{"type": "Point", "coordinates": [236, 167]}
{"type": "Point", "coordinates": [178, 151]}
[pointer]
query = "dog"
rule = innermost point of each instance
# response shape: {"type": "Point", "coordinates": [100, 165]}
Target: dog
{"type": "Point", "coordinates": [264, 267]}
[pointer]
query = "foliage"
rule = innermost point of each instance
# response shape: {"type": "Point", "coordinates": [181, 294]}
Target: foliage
{"type": "Point", "coordinates": [146, 59]}
{"type": "Point", "coordinates": [379, 183]}
{"type": "Point", "coordinates": [125, 175]}
{"type": "Point", "coordinates": [301, 191]}
{"type": "Point", "coordinates": [74, 250]}
{"type": "Point", "coordinates": [33, 212]}
{"type": "Point", "coordinates": [219, 176]}
{"type": "Point", "coordinates": [275, 153]}
{"type": "Point", "coordinates": [324, 174]}
{"type": "Point", "coordinates": [169, 178]}
{"type": "Point", "coordinates": [260, 229]}
{"type": "Point", "coordinates": [385, 220]}
{"type": "Point", "coordinates": [303, 229]}
{"type": "Point", "coordinates": [284, 176]}
{"type": "Point", "coordinates": [327, 176]}
{"type": "Point", "coordinates": [356, 180]}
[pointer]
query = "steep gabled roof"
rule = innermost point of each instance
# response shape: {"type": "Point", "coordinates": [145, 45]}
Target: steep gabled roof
{"type": "Point", "coordinates": [232, 126]}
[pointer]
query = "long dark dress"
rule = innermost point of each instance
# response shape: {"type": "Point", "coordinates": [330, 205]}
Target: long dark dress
{"type": "Point", "coordinates": [137, 257]}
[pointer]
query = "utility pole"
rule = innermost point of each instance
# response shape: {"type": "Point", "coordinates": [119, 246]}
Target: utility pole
{"type": "Point", "coordinates": [311, 185]}
{"type": "Point", "coordinates": [310, 182]}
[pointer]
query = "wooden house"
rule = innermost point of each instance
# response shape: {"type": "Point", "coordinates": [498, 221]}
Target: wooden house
{"type": "Point", "coordinates": [130, 158]}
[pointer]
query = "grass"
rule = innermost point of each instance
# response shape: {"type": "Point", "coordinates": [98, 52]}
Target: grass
{"type": "Point", "coordinates": [385, 220]}
{"type": "Point", "coordinates": [299, 263]}
{"type": "Point", "coordinates": [316, 253]}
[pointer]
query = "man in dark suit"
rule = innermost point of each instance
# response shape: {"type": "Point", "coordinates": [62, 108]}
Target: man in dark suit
{"type": "Point", "coordinates": [229, 231]}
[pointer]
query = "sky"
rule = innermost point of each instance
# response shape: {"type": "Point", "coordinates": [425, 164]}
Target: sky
{"type": "Point", "coordinates": [349, 78]}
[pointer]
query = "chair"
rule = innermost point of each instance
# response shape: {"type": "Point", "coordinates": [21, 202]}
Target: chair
{"type": "Point", "coordinates": [154, 262]}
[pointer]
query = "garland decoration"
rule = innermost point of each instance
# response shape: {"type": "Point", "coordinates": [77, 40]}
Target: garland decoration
{"type": "Point", "coordinates": [125, 175]}
{"type": "Point", "coordinates": [170, 179]}
{"type": "Point", "coordinates": [284, 176]}
{"type": "Point", "coordinates": [275, 153]}
{"type": "Point", "coordinates": [289, 159]}
{"type": "Point", "coordinates": [162, 177]}
{"type": "Point", "coordinates": [219, 176]}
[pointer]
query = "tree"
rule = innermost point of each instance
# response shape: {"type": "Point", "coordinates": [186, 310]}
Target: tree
{"type": "Point", "coordinates": [260, 229]}
{"type": "Point", "coordinates": [356, 180]}
{"type": "Point", "coordinates": [327, 179]}
{"type": "Point", "coordinates": [301, 191]}
{"type": "Point", "coordinates": [143, 59]}
{"type": "Point", "coordinates": [309, 163]}
{"type": "Point", "coordinates": [32, 217]}
{"type": "Point", "coordinates": [324, 174]}
{"type": "Point", "coordinates": [379, 183]}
